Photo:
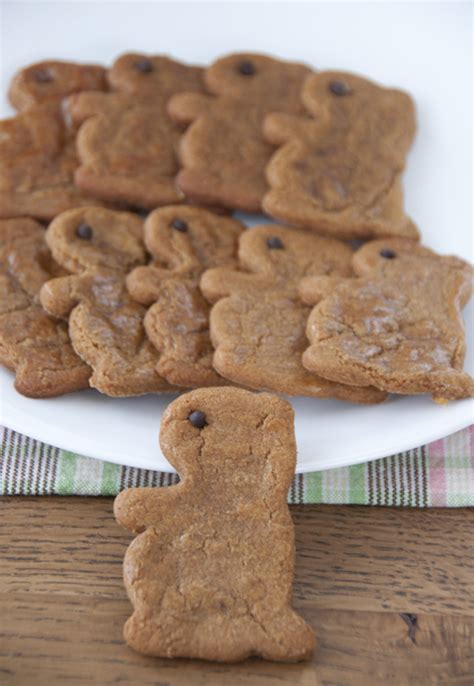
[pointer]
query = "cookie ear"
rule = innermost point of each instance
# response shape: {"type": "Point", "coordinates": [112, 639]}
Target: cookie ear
{"type": "Point", "coordinates": [184, 108]}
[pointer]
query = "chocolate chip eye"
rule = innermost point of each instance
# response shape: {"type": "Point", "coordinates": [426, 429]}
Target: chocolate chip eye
{"type": "Point", "coordinates": [179, 225]}
{"type": "Point", "coordinates": [43, 76]}
{"type": "Point", "coordinates": [144, 66]}
{"type": "Point", "coordinates": [275, 243]}
{"type": "Point", "coordinates": [388, 254]}
{"type": "Point", "coordinates": [198, 419]}
{"type": "Point", "coordinates": [247, 68]}
{"type": "Point", "coordinates": [339, 88]}
{"type": "Point", "coordinates": [84, 232]}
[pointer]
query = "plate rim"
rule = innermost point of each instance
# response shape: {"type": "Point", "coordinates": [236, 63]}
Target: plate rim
{"type": "Point", "coordinates": [461, 421]}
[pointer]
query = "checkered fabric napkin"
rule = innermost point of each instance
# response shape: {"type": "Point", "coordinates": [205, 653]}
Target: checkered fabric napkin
{"type": "Point", "coordinates": [440, 474]}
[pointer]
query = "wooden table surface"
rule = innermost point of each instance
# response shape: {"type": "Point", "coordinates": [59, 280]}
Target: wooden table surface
{"type": "Point", "coordinates": [390, 593]}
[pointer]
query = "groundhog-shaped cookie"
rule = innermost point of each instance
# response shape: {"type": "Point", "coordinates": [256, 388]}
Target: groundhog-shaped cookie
{"type": "Point", "coordinates": [52, 80]}
{"type": "Point", "coordinates": [258, 325]}
{"type": "Point", "coordinates": [37, 164]}
{"type": "Point", "coordinates": [339, 173]}
{"type": "Point", "coordinates": [98, 247]}
{"type": "Point", "coordinates": [223, 152]}
{"type": "Point", "coordinates": [183, 242]}
{"type": "Point", "coordinates": [127, 143]}
{"type": "Point", "coordinates": [32, 344]}
{"type": "Point", "coordinates": [210, 577]}
{"type": "Point", "coordinates": [398, 326]}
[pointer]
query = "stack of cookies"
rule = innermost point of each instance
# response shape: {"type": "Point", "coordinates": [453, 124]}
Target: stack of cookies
{"type": "Point", "coordinates": [122, 268]}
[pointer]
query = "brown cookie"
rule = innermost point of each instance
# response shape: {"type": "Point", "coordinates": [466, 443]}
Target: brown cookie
{"type": "Point", "coordinates": [127, 142]}
{"type": "Point", "coordinates": [127, 149]}
{"type": "Point", "coordinates": [398, 327]}
{"type": "Point", "coordinates": [52, 80]}
{"type": "Point", "coordinates": [98, 247]}
{"type": "Point", "coordinates": [210, 575]}
{"type": "Point", "coordinates": [258, 322]}
{"type": "Point", "coordinates": [37, 164]}
{"type": "Point", "coordinates": [183, 242]}
{"type": "Point", "coordinates": [223, 153]}
{"type": "Point", "coordinates": [32, 344]}
{"type": "Point", "coordinates": [339, 172]}
{"type": "Point", "coordinates": [153, 76]}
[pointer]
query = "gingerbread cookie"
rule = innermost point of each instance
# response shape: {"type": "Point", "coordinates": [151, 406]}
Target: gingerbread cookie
{"type": "Point", "coordinates": [223, 153]}
{"type": "Point", "coordinates": [210, 575]}
{"type": "Point", "coordinates": [398, 326]}
{"type": "Point", "coordinates": [98, 247]}
{"type": "Point", "coordinates": [127, 143]}
{"type": "Point", "coordinates": [183, 242]}
{"type": "Point", "coordinates": [52, 80]}
{"type": "Point", "coordinates": [32, 344]}
{"type": "Point", "coordinates": [38, 160]}
{"type": "Point", "coordinates": [258, 322]}
{"type": "Point", "coordinates": [338, 172]}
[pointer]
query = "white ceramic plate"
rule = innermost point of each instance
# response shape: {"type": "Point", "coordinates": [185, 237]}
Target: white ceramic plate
{"type": "Point", "coordinates": [395, 43]}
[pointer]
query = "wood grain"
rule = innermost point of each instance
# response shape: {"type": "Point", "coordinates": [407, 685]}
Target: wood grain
{"type": "Point", "coordinates": [62, 602]}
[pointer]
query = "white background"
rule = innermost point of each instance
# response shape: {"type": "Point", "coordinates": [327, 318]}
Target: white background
{"type": "Point", "coordinates": [425, 48]}
{"type": "Point", "coordinates": [422, 47]}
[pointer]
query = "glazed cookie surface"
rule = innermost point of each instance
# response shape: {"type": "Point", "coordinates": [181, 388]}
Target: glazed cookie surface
{"type": "Point", "coordinates": [398, 326]}
{"type": "Point", "coordinates": [338, 169]}
{"type": "Point", "coordinates": [98, 247]}
{"type": "Point", "coordinates": [210, 576]}
{"type": "Point", "coordinates": [32, 344]}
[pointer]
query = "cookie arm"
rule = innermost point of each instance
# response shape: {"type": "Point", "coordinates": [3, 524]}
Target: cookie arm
{"type": "Point", "coordinates": [278, 128]}
{"type": "Point", "coordinates": [184, 108]}
{"type": "Point", "coordinates": [220, 282]}
{"type": "Point", "coordinates": [312, 289]}
{"type": "Point", "coordinates": [83, 105]}
{"type": "Point", "coordinates": [145, 283]}
{"type": "Point", "coordinates": [59, 296]}
{"type": "Point", "coordinates": [138, 508]}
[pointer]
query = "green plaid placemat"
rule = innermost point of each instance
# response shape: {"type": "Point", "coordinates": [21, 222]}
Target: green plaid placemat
{"type": "Point", "coordinates": [440, 474]}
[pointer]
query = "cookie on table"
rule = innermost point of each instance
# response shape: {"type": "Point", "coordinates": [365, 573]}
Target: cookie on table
{"type": "Point", "coordinates": [338, 169]}
{"type": "Point", "coordinates": [398, 326]}
{"type": "Point", "coordinates": [210, 574]}
{"type": "Point", "coordinates": [183, 241]}
{"type": "Point", "coordinates": [52, 80]}
{"type": "Point", "coordinates": [98, 247]}
{"type": "Point", "coordinates": [258, 322]}
{"type": "Point", "coordinates": [32, 344]}
{"type": "Point", "coordinates": [38, 161]}
{"type": "Point", "coordinates": [223, 153]}
{"type": "Point", "coordinates": [127, 143]}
